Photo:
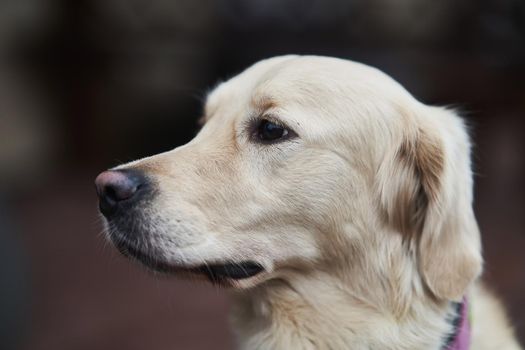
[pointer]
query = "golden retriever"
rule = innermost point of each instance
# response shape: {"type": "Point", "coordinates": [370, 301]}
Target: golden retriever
{"type": "Point", "coordinates": [336, 207]}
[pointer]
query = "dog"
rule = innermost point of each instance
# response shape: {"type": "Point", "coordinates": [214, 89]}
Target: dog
{"type": "Point", "coordinates": [335, 206]}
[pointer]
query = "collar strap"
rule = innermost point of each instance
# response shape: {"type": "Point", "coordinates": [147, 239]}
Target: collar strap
{"type": "Point", "coordinates": [460, 338]}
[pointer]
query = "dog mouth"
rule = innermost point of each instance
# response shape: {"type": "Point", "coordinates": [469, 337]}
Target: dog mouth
{"type": "Point", "coordinates": [235, 271]}
{"type": "Point", "coordinates": [219, 273]}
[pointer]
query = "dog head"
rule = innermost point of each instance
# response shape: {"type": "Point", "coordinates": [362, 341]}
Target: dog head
{"type": "Point", "coordinates": [306, 164]}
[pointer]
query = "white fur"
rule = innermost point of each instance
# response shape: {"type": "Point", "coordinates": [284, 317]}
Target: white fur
{"type": "Point", "coordinates": [363, 222]}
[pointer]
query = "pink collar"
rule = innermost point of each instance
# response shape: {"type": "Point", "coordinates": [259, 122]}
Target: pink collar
{"type": "Point", "coordinates": [460, 339]}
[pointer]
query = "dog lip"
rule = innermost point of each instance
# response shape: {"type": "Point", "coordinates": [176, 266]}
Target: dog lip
{"type": "Point", "coordinates": [216, 272]}
{"type": "Point", "coordinates": [131, 252]}
{"type": "Point", "coordinates": [235, 271]}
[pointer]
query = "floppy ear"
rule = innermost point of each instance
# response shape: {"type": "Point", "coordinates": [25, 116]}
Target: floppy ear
{"type": "Point", "coordinates": [426, 193]}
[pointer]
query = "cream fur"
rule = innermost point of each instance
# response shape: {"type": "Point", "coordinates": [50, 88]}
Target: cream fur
{"type": "Point", "coordinates": [363, 222]}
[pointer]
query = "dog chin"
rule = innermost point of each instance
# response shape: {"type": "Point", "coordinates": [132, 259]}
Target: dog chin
{"type": "Point", "coordinates": [236, 274]}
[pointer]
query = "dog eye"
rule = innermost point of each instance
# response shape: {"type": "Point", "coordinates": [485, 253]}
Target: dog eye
{"type": "Point", "coordinates": [269, 132]}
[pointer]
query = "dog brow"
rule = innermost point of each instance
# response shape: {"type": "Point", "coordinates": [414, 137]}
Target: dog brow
{"type": "Point", "coordinates": [263, 103]}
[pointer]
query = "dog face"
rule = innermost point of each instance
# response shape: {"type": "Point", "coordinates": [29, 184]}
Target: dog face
{"type": "Point", "coordinates": [305, 164]}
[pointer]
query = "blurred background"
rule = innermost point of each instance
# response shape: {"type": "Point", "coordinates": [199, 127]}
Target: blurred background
{"type": "Point", "coordinates": [85, 85]}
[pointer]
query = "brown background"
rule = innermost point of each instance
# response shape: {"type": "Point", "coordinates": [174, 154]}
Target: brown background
{"type": "Point", "coordinates": [85, 85]}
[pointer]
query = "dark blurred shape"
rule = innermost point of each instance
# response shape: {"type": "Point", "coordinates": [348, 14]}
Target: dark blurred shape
{"type": "Point", "coordinates": [85, 85]}
{"type": "Point", "coordinates": [14, 296]}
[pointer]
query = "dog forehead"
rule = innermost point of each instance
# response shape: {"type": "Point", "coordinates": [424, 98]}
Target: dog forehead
{"type": "Point", "coordinates": [314, 91]}
{"type": "Point", "coordinates": [291, 77]}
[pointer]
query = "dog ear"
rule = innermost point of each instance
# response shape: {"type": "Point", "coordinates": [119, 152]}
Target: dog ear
{"type": "Point", "coordinates": [426, 194]}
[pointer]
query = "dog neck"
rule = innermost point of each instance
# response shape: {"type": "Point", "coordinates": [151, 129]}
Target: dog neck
{"type": "Point", "coordinates": [317, 312]}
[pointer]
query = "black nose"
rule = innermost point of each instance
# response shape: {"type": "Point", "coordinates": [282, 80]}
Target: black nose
{"type": "Point", "coordinates": [116, 186]}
